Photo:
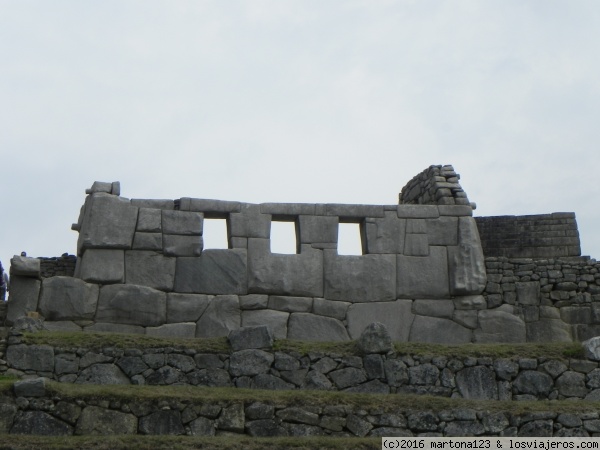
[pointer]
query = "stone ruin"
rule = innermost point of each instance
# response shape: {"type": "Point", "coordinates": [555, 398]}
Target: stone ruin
{"type": "Point", "coordinates": [430, 271]}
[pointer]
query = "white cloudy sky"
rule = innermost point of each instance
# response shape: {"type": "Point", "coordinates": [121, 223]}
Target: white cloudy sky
{"type": "Point", "coordinates": [295, 101]}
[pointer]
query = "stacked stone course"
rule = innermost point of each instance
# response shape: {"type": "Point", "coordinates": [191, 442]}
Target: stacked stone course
{"type": "Point", "coordinates": [534, 236]}
{"type": "Point", "coordinates": [58, 266]}
{"type": "Point", "coordinates": [436, 185]}
{"type": "Point", "coordinates": [474, 378]}
{"type": "Point", "coordinates": [35, 409]}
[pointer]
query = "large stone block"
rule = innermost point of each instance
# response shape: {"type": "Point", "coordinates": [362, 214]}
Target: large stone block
{"type": "Point", "coordinates": [24, 266]}
{"type": "Point", "coordinates": [434, 308]}
{"type": "Point", "coordinates": [423, 277]}
{"type": "Point", "coordinates": [147, 241]}
{"type": "Point", "coordinates": [24, 294]}
{"type": "Point", "coordinates": [366, 278]}
{"type": "Point", "coordinates": [101, 421]}
{"type": "Point", "coordinates": [186, 307]}
{"type": "Point", "coordinates": [39, 358]}
{"type": "Point", "coordinates": [182, 223]}
{"type": "Point", "coordinates": [330, 308]}
{"type": "Point", "coordinates": [290, 304]}
{"type": "Point", "coordinates": [442, 231]}
{"type": "Point", "coordinates": [149, 220]}
{"type": "Point", "coordinates": [466, 262]}
{"type": "Point", "coordinates": [310, 327]}
{"type": "Point", "coordinates": [149, 269]}
{"type": "Point", "coordinates": [132, 305]}
{"type": "Point", "coordinates": [221, 316]}
{"type": "Point", "coordinates": [67, 298]}
{"type": "Point", "coordinates": [528, 293]}
{"type": "Point", "coordinates": [296, 275]}
{"type": "Point", "coordinates": [352, 212]}
{"type": "Point", "coordinates": [105, 327]}
{"type": "Point", "coordinates": [318, 229]}
{"type": "Point", "coordinates": [108, 222]}
{"type": "Point", "coordinates": [249, 223]}
{"type": "Point", "coordinates": [214, 272]}
{"type": "Point", "coordinates": [384, 235]}
{"type": "Point", "coordinates": [103, 266]}
{"type": "Point", "coordinates": [153, 203]}
{"type": "Point", "coordinates": [418, 211]}
{"type": "Point", "coordinates": [477, 383]}
{"type": "Point", "coordinates": [276, 320]}
{"type": "Point", "coordinates": [396, 316]}
{"type": "Point", "coordinates": [438, 331]}
{"type": "Point", "coordinates": [499, 326]}
{"type": "Point", "coordinates": [209, 206]}
{"type": "Point", "coordinates": [181, 245]}
{"type": "Point", "coordinates": [548, 330]}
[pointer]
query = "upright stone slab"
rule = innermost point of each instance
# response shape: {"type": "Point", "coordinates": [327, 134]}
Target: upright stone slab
{"type": "Point", "coordinates": [396, 316]}
{"type": "Point", "coordinates": [132, 305]}
{"type": "Point", "coordinates": [214, 272]}
{"type": "Point", "coordinates": [296, 275]}
{"type": "Point", "coordinates": [67, 298]}
{"type": "Point", "coordinates": [466, 262]}
{"type": "Point", "coordinates": [221, 317]}
{"type": "Point", "coordinates": [150, 269]}
{"type": "Point", "coordinates": [423, 276]}
{"type": "Point", "coordinates": [108, 222]}
{"type": "Point", "coordinates": [385, 235]}
{"type": "Point", "coordinates": [275, 320]}
{"type": "Point", "coordinates": [103, 266]}
{"type": "Point", "coordinates": [23, 297]}
{"type": "Point", "coordinates": [366, 278]}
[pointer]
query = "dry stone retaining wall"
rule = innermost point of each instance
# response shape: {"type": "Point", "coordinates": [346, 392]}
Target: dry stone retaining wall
{"type": "Point", "coordinates": [32, 408]}
{"type": "Point", "coordinates": [482, 378]}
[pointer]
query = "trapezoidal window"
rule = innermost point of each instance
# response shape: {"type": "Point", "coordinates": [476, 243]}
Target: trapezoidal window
{"type": "Point", "coordinates": [283, 237]}
{"type": "Point", "coordinates": [350, 239]}
{"type": "Point", "coordinates": [214, 233]}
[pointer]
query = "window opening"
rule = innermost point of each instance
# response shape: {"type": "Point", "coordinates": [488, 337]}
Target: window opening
{"type": "Point", "coordinates": [214, 233]}
{"type": "Point", "coordinates": [283, 237]}
{"type": "Point", "coordinates": [349, 239]}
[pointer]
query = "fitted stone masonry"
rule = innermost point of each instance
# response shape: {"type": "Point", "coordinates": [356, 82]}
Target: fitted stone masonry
{"type": "Point", "coordinates": [141, 268]}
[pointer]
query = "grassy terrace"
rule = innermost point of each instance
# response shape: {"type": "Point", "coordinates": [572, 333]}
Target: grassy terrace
{"type": "Point", "coordinates": [221, 345]}
{"type": "Point", "coordinates": [184, 442]}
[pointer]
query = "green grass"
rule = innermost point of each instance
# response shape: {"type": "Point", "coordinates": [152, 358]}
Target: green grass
{"type": "Point", "coordinates": [184, 442]}
{"type": "Point", "coordinates": [221, 345]}
{"type": "Point", "coordinates": [386, 402]}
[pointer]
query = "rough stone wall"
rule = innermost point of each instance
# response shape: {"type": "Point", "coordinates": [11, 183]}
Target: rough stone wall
{"type": "Point", "coordinates": [554, 299]}
{"type": "Point", "coordinates": [436, 185]}
{"type": "Point", "coordinates": [482, 378]}
{"type": "Point", "coordinates": [58, 266]}
{"type": "Point", "coordinates": [535, 236]}
{"type": "Point", "coordinates": [40, 411]}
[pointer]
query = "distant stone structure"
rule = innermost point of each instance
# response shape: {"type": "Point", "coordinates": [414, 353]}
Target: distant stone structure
{"type": "Point", "coordinates": [141, 268]}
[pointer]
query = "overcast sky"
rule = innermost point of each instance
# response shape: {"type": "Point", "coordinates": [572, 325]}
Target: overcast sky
{"type": "Point", "coordinates": [295, 101]}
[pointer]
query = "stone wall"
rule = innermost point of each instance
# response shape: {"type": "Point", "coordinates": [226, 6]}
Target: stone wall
{"type": "Point", "coordinates": [556, 299]}
{"type": "Point", "coordinates": [535, 236]}
{"type": "Point", "coordinates": [32, 407]}
{"type": "Point", "coordinates": [475, 378]}
{"type": "Point", "coordinates": [436, 185]}
{"type": "Point", "coordinates": [58, 266]}
{"type": "Point", "coordinates": [141, 266]}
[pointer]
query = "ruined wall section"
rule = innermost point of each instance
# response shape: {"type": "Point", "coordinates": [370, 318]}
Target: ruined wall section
{"type": "Point", "coordinates": [436, 185]}
{"type": "Point", "coordinates": [533, 236]}
{"type": "Point", "coordinates": [142, 268]}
